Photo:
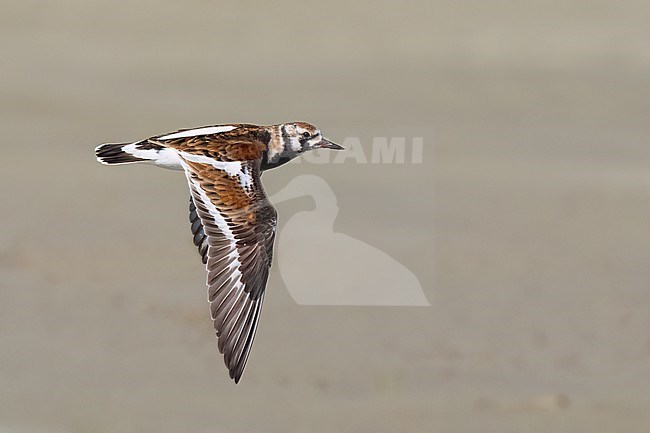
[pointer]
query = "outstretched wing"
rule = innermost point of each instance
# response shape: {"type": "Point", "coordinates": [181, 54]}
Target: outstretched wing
{"type": "Point", "coordinates": [233, 224]}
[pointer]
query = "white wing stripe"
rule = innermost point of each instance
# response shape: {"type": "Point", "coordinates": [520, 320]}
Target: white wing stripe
{"type": "Point", "coordinates": [245, 179]}
{"type": "Point", "coordinates": [233, 168]}
{"type": "Point", "coordinates": [197, 132]}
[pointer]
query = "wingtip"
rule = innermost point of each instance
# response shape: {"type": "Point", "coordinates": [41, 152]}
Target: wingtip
{"type": "Point", "coordinates": [234, 376]}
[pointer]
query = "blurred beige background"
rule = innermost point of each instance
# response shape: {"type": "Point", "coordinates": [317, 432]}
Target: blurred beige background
{"type": "Point", "coordinates": [527, 223]}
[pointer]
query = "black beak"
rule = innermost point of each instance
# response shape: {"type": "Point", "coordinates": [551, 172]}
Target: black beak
{"type": "Point", "coordinates": [326, 144]}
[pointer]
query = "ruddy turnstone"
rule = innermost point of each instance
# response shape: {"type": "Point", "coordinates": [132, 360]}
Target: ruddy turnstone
{"type": "Point", "coordinates": [232, 219]}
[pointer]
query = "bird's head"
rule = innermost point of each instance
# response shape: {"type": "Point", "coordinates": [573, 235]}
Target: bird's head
{"type": "Point", "coordinates": [289, 140]}
{"type": "Point", "coordinates": [299, 137]}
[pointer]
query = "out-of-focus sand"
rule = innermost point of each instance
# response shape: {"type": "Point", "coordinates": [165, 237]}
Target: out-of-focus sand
{"type": "Point", "coordinates": [527, 223]}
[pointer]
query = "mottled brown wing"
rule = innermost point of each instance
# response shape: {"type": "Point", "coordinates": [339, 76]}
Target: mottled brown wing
{"type": "Point", "coordinates": [242, 143]}
{"type": "Point", "coordinates": [238, 223]}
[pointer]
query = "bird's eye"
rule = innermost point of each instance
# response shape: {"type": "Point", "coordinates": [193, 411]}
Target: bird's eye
{"type": "Point", "coordinates": [306, 134]}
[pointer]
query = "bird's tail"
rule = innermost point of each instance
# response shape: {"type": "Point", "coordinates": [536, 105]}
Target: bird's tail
{"type": "Point", "coordinates": [126, 153]}
{"type": "Point", "coordinates": [118, 153]}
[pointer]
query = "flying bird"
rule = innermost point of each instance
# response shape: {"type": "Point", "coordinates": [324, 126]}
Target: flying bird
{"type": "Point", "coordinates": [232, 220]}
